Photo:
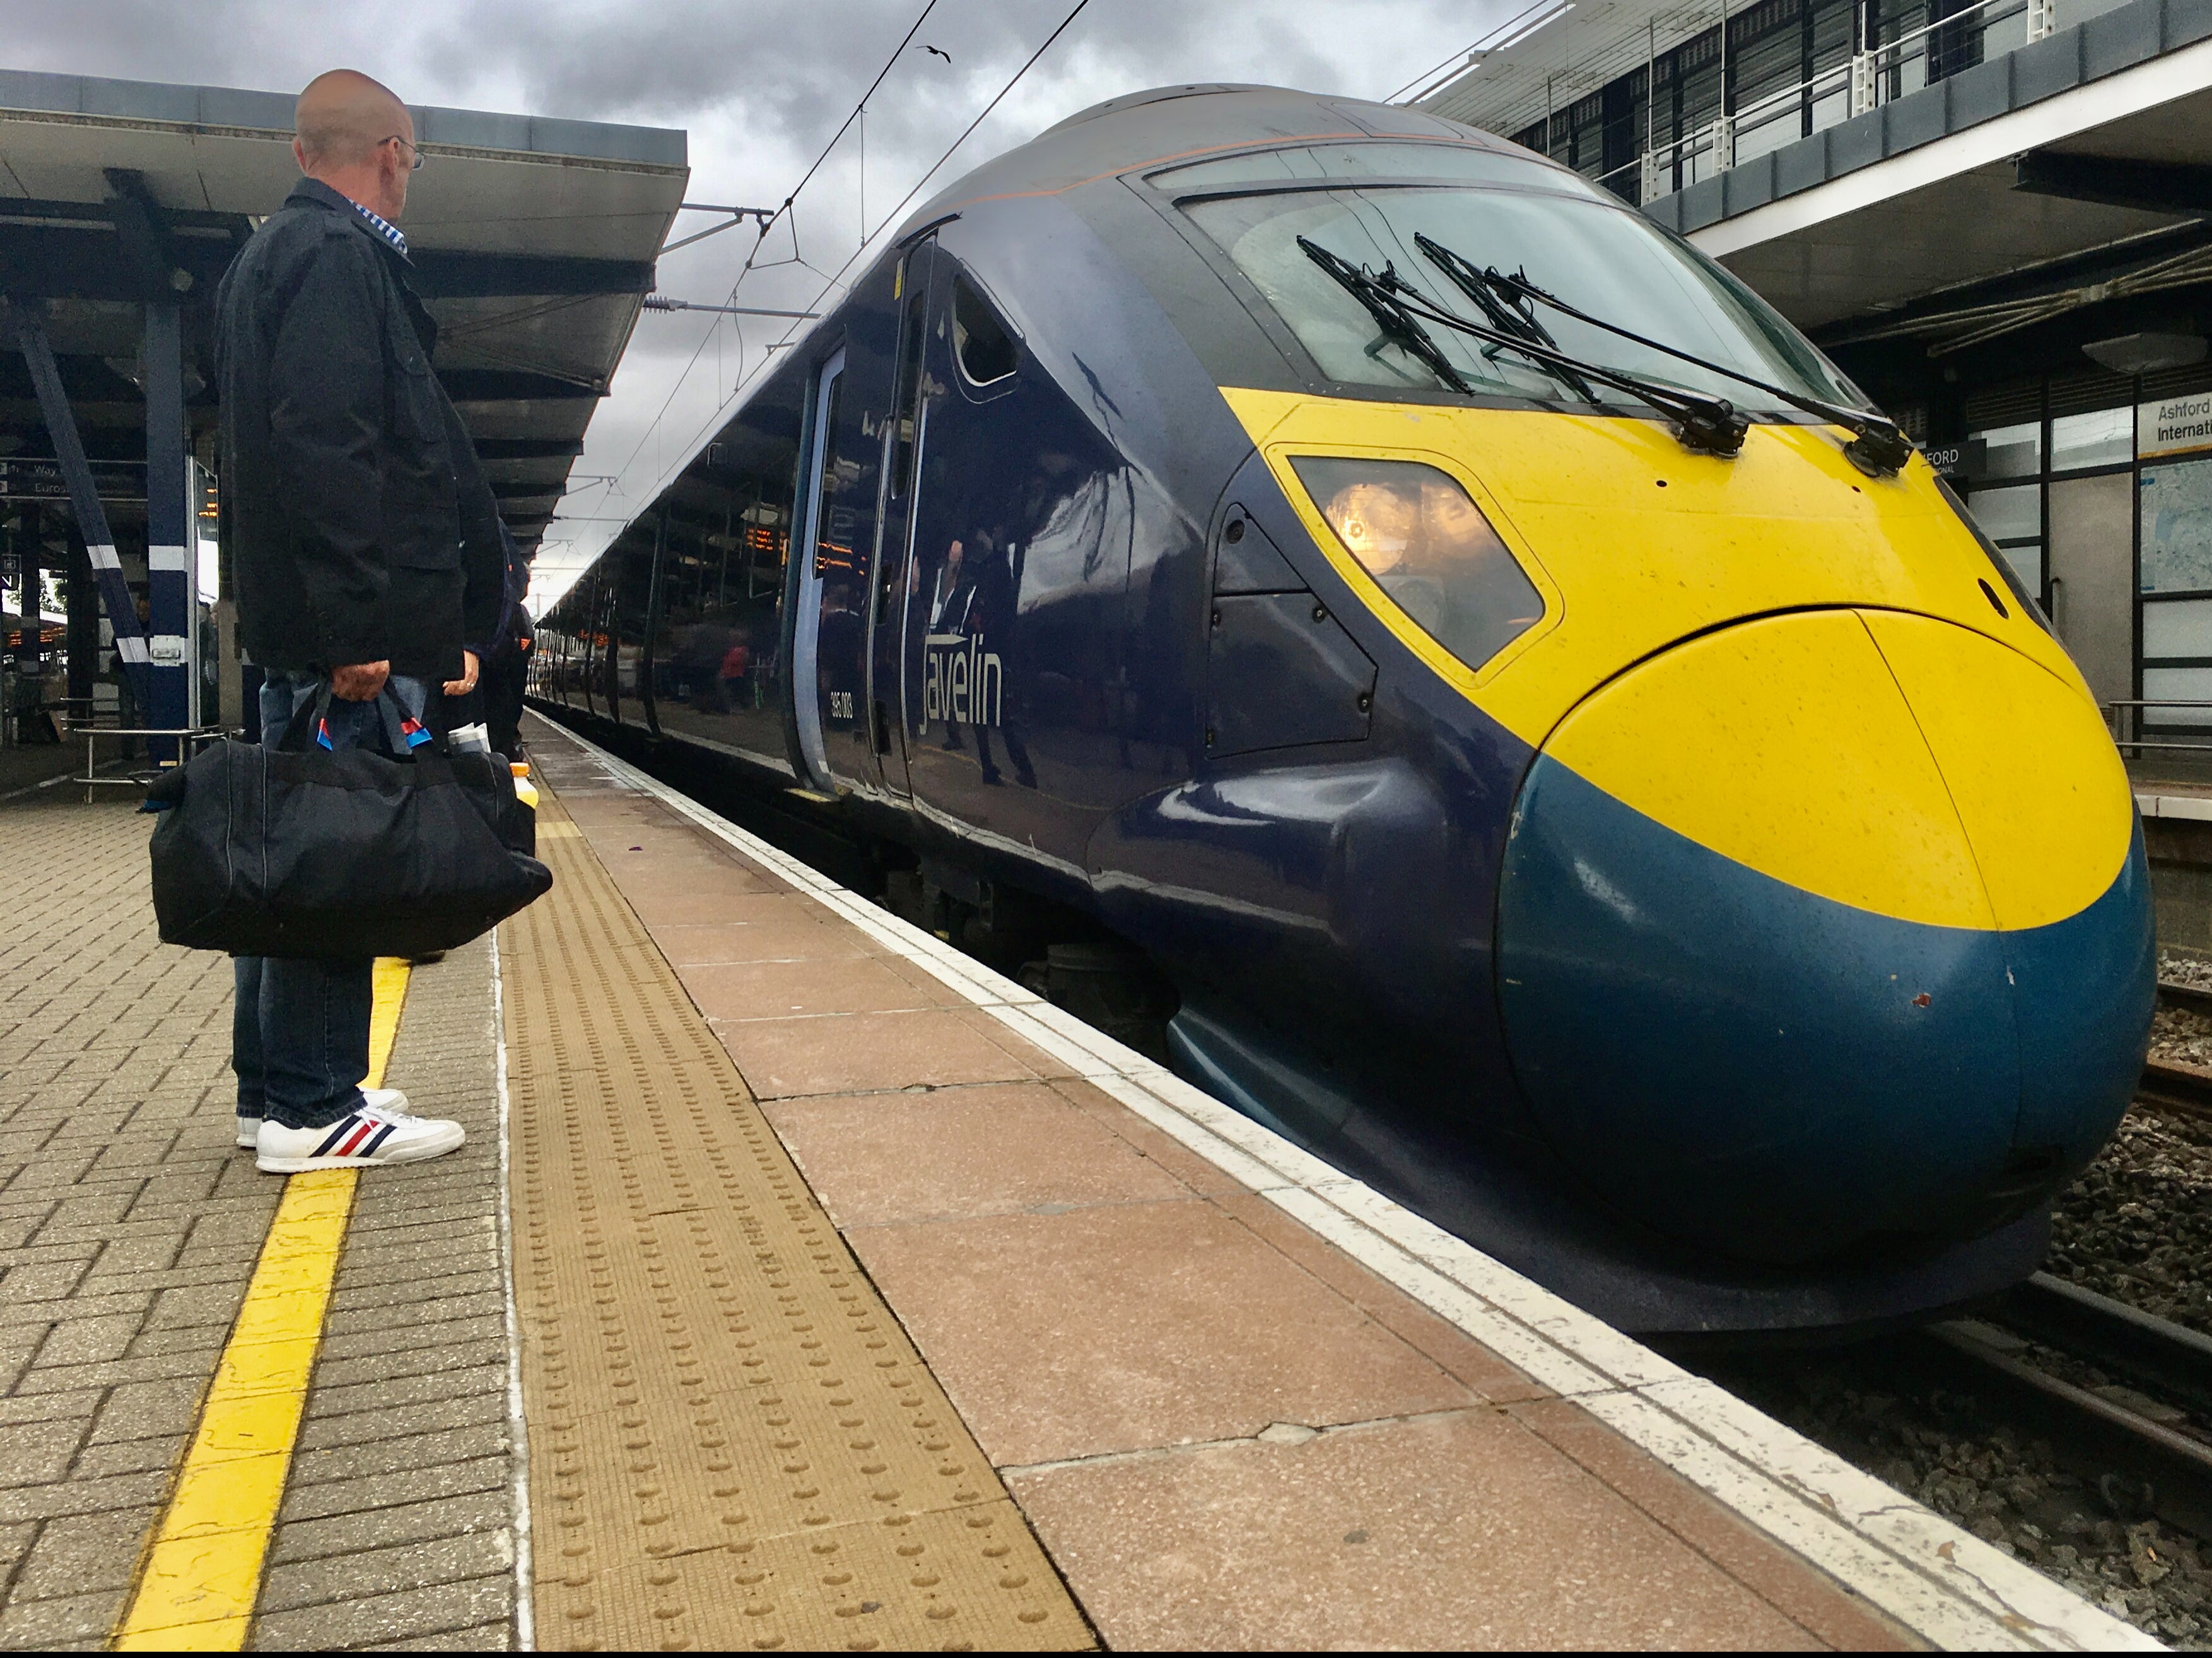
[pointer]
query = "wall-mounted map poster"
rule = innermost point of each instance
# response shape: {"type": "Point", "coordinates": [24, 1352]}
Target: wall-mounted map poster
{"type": "Point", "coordinates": [2177, 526]}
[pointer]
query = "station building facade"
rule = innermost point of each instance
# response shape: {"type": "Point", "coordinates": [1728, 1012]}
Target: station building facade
{"type": "Point", "coordinates": [1994, 216]}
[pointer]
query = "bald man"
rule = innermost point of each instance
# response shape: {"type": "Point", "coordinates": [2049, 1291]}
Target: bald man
{"type": "Point", "coordinates": [364, 540]}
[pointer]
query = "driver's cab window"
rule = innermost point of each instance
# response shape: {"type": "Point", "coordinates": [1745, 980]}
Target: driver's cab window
{"type": "Point", "coordinates": [983, 344]}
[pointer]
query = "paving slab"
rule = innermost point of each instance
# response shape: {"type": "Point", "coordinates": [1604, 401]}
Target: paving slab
{"type": "Point", "coordinates": [732, 1442]}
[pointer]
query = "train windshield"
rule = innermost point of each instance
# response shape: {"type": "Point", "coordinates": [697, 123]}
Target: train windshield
{"type": "Point", "coordinates": [1599, 257]}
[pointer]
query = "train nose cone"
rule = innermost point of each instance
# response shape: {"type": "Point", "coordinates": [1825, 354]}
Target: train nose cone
{"type": "Point", "coordinates": [1827, 926]}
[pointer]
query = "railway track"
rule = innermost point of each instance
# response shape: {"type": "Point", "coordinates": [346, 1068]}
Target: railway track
{"type": "Point", "coordinates": [2124, 1438]}
{"type": "Point", "coordinates": [2179, 1087]}
{"type": "Point", "coordinates": [2176, 994]}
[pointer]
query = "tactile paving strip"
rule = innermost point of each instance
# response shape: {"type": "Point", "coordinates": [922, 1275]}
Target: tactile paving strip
{"type": "Point", "coordinates": [732, 1443]}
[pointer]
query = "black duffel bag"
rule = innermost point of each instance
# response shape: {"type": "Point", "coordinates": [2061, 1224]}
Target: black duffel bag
{"type": "Point", "coordinates": [297, 850]}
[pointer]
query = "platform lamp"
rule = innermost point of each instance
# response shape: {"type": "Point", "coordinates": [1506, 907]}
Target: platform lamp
{"type": "Point", "coordinates": [2146, 353]}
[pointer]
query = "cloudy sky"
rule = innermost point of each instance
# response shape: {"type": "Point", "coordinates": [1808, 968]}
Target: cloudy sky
{"type": "Point", "coordinates": [760, 85]}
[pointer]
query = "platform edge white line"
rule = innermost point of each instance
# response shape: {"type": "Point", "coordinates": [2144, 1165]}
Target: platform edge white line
{"type": "Point", "coordinates": [517, 1427]}
{"type": "Point", "coordinates": [1937, 1580]}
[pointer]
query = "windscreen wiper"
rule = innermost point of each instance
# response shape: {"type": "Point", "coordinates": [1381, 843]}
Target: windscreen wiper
{"type": "Point", "coordinates": [1512, 320]}
{"type": "Point", "coordinates": [1710, 425]}
{"type": "Point", "coordinates": [1398, 325]}
{"type": "Point", "coordinates": [1878, 447]}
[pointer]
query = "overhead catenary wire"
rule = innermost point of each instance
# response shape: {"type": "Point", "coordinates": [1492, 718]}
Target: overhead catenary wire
{"type": "Point", "coordinates": [906, 200]}
{"type": "Point", "coordinates": [782, 209]}
{"type": "Point", "coordinates": [1492, 41]}
{"type": "Point", "coordinates": [834, 278]}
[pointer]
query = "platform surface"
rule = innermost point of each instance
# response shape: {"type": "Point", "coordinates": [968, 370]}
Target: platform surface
{"type": "Point", "coordinates": [805, 1284]}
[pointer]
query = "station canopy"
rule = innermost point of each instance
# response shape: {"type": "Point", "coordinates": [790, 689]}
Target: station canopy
{"type": "Point", "coordinates": [533, 241]}
{"type": "Point", "coordinates": [2068, 172]}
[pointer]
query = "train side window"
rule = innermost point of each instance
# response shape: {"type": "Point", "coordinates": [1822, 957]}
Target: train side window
{"type": "Point", "coordinates": [981, 341]}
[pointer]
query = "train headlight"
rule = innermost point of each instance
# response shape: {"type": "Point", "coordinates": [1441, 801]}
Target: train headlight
{"type": "Point", "coordinates": [1429, 548]}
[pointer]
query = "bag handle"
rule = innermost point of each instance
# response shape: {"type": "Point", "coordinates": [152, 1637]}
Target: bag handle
{"type": "Point", "coordinates": [306, 719]}
{"type": "Point", "coordinates": [403, 732]}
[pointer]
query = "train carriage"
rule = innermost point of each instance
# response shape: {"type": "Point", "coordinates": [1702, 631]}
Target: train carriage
{"type": "Point", "coordinates": [1572, 763]}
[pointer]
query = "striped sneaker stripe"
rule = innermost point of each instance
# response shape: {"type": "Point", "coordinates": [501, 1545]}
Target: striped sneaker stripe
{"type": "Point", "coordinates": [368, 1127]}
{"type": "Point", "coordinates": [386, 1133]}
{"type": "Point", "coordinates": [337, 1132]}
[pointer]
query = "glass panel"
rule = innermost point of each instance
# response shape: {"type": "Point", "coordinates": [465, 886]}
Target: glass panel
{"type": "Point", "coordinates": [2176, 507]}
{"type": "Point", "coordinates": [2176, 627]}
{"type": "Point", "coordinates": [1771, 128]}
{"type": "Point", "coordinates": [716, 677]}
{"type": "Point", "coordinates": [1462, 162]}
{"type": "Point", "coordinates": [2014, 514]}
{"type": "Point", "coordinates": [1610, 261]}
{"type": "Point", "coordinates": [1413, 529]}
{"type": "Point", "coordinates": [2011, 451]}
{"type": "Point", "coordinates": [2186, 684]}
{"type": "Point", "coordinates": [2104, 437]}
{"type": "Point", "coordinates": [2027, 564]}
{"type": "Point", "coordinates": [980, 340]}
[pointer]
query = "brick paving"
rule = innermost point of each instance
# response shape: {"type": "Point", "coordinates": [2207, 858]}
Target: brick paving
{"type": "Point", "coordinates": [129, 1228]}
{"type": "Point", "coordinates": [128, 1222]}
{"type": "Point", "coordinates": [397, 1522]}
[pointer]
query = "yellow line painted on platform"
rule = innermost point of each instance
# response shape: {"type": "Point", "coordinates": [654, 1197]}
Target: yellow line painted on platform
{"type": "Point", "coordinates": [199, 1580]}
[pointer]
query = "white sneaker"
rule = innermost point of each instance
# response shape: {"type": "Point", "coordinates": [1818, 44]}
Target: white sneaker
{"type": "Point", "coordinates": [381, 1100]}
{"type": "Point", "coordinates": [363, 1139]}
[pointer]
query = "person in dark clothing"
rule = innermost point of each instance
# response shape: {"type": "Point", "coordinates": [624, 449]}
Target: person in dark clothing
{"type": "Point", "coordinates": [343, 461]}
{"type": "Point", "coordinates": [497, 702]}
{"type": "Point", "coordinates": [486, 547]}
{"type": "Point", "coordinates": [507, 677]}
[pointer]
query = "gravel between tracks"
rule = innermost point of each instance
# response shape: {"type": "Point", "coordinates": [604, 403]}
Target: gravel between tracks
{"type": "Point", "coordinates": [2137, 1224]}
{"type": "Point", "coordinates": [1941, 1447]}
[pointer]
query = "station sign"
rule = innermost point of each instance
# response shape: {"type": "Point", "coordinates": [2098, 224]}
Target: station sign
{"type": "Point", "coordinates": [42, 480]}
{"type": "Point", "coordinates": [1961, 462]}
{"type": "Point", "coordinates": [2174, 425]}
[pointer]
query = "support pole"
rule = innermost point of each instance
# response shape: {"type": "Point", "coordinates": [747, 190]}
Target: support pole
{"type": "Point", "coordinates": [80, 589]}
{"type": "Point", "coordinates": [170, 578]}
{"type": "Point", "coordinates": [84, 504]}
{"type": "Point", "coordinates": [29, 561]}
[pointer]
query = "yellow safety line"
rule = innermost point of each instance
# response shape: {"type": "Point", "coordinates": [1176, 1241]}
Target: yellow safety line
{"type": "Point", "coordinates": [200, 1578]}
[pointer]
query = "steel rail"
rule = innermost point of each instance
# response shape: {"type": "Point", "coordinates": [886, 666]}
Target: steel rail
{"type": "Point", "coordinates": [2133, 1462]}
{"type": "Point", "coordinates": [2125, 1340]}
{"type": "Point", "coordinates": [2175, 994]}
{"type": "Point", "coordinates": [2183, 1088]}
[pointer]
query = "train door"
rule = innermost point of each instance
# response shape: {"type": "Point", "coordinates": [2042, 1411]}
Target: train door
{"type": "Point", "coordinates": [818, 496]}
{"type": "Point", "coordinates": [2093, 579]}
{"type": "Point", "coordinates": [1022, 525]}
{"type": "Point", "coordinates": [905, 437]}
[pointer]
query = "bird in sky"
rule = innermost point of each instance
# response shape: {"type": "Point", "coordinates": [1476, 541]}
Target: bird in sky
{"type": "Point", "coordinates": [947, 56]}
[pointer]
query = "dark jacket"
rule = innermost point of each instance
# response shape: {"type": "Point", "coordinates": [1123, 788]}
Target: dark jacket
{"type": "Point", "coordinates": [358, 513]}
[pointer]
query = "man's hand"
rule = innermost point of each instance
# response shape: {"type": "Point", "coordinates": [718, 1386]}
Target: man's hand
{"type": "Point", "coordinates": [467, 682]}
{"type": "Point", "coordinates": [360, 682]}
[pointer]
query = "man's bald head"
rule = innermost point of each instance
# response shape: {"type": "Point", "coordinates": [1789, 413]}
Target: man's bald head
{"type": "Point", "coordinates": [343, 115]}
{"type": "Point", "coordinates": [344, 125]}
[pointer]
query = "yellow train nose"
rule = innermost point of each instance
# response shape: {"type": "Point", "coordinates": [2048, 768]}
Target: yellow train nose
{"type": "Point", "coordinates": [1825, 923]}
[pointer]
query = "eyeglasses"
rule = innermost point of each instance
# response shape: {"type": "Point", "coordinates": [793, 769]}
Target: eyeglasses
{"type": "Point", "coordinates": [416, 166]}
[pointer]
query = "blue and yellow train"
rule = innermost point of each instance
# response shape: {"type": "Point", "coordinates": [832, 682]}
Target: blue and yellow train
{"type": "Point", "coordinates": [1573, 760]}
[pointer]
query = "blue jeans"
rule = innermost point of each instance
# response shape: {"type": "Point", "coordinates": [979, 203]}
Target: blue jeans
{"type": "Point", "coordinates": [299, 1030]}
